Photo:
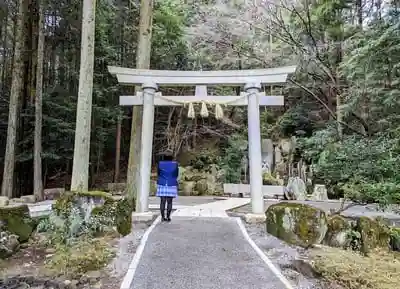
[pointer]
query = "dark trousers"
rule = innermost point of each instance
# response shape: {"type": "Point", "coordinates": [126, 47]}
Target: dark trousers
{"type": "Point", "coordinates": [168, 201]}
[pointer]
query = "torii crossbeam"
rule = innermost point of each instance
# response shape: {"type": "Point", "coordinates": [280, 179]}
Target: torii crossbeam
{"type": "Point", "coordinates": [252, 80]}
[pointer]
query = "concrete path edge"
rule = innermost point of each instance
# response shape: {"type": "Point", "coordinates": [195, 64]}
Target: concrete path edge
{"type": "Point", "coordinates": [264, 257]}
{"type": "Point", "coordinates": [128, 279]}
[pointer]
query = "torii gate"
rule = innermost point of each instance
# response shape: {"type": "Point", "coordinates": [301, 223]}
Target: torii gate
{"type": "Point", "coordinates": [252, 80]}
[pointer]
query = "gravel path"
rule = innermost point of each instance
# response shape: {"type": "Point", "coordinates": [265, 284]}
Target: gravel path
{"type": "Point", "coordinates": [194, 253]}
{"type": "Point", "coordinates": [125, 250]}
{"type": "Point", "coordinates": [284, 256]}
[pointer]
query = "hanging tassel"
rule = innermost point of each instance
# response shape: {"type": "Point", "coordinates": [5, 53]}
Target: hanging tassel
{"type": "Point", "coordinates": [219, 112]}
{"type": "Point", "coordinates": [191, 113]}
{"type": "Point", "coordinates": [204, 110]}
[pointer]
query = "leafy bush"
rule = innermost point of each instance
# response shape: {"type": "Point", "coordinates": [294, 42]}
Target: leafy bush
{"type": "Point", "coordinates": [269, 179]}
{"type": "Point", "coordinates": [204, 159]}
{"type": "Point", "coordinates": [363, 169]}
{"type": "Point", "coordinates": [231, 161]}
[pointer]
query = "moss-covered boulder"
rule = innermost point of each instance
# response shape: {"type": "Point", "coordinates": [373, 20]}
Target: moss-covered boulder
{"type": "Point", "coordinates": [338, 232]}
{"type": "Point", "coordinates": [297, 224]}
{"type": "Point", "coordinates": [16, 220]}
{"type": "Point", "coordinates": [374, 234]}
{"type": "Point", "coordinates": [98, 206]}
{"type": "Point", "coordinates": [85, 200]}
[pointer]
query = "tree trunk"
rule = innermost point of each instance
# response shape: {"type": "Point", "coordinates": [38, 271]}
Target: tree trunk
{"type": "Point", "coordinates": [16, 88]}
{"type": "Point", "coordinates": [121, 23]}
{"type": "Point", "coordinates": [80, 168]}
{"type": "Point", "coordinates": [359, 11]}
{"type": "Point", "coordinates": [37, 155]}
{"type": "Point", "coordinates": [339, 58]}
{"type": "Point", "coordinates": [143, 54]}
{"type": "Point", "coordinates": [5, 54]}
{"type": "Point", "coordinates": [117, 150]}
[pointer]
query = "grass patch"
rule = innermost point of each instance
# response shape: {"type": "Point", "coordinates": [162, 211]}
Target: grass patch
{"type": "Point", "coordinates": [378, 270]}
{"type": "Point", "coordinates": [81, 257]}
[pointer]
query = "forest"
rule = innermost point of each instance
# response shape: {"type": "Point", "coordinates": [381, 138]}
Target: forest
{"type": "Point", "coordinates": [341, 104]}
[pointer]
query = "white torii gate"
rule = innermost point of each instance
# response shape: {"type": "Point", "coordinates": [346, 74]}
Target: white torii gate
{"type": "Point", "coordinates": [252, 80]}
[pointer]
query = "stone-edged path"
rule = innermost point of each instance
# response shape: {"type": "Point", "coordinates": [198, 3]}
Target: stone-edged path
{"type": "Point", "coordinates": [201, 253]}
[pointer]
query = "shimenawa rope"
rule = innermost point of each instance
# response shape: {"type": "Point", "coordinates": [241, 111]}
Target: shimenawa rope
{"type": "Point", "coordinates": [219, 112]}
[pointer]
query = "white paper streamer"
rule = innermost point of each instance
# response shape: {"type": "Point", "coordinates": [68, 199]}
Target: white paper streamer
{"type": "Point", "coordinates": [204, 110]}
{"type": "Point", "coordinates": [191, 113]}
{"type": "Point", "coordinates": [219, 112]}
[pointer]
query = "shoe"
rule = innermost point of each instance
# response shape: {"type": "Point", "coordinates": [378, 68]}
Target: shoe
{"type": "Point", "coordinates": [168, 219]}
{"type": "Point", "coordinates": [164, 219]}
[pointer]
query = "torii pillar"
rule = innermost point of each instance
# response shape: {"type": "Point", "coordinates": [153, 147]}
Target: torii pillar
{"type": "Point", "coordinates": [254, 140]}
{"type": "Point", "coordinates": [142, 199]}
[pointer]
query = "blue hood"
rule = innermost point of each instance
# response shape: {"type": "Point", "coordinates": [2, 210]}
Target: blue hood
{"type": "Point", "coordinates": [168, 173]}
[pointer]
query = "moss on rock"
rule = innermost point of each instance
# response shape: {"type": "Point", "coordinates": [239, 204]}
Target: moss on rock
{"type": "Point", "coordinates": [16, 220]}
{"type": "Point", "coordinates": [374, 234]}
{"type": "Point", "coordinates": [64, 204]}
{"type": "Point", "coordinates": [338, 232]}
{"type": "Point", "coordinates": [123, 217]}
{"type": "Point", "coordinates": [395, 238]}
{"type": "Point", "coordinates": [297, 224]}
{"type": "Point", "coordinates": [68, 199]}
{"type": "Point", "coordinates": [107, 209]}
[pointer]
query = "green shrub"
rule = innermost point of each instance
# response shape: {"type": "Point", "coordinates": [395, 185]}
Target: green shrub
{"type": "Point", "coordinates": [361, 169]}
{"type": "Point", "coordinates": [231, 161]}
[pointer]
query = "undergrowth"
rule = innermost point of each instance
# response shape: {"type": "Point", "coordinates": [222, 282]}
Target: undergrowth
{"type": "Point", "coordinates": [80, 245]}
{"type": "Point", "coordinates": [81, 257]}
{"type": "Point", "coordinates": [379, 270]}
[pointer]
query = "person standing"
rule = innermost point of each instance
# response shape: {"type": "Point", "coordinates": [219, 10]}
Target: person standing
{"type": "Point", "coordinates": [167, 184]}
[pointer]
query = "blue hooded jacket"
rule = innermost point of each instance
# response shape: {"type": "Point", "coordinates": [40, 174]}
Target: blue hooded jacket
{"type": "Point", "coordinates": [168, 172]}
